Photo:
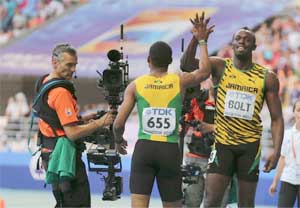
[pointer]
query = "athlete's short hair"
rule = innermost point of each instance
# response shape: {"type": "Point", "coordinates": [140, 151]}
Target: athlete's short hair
{"type": "Point", "coordinates": [63, 48]}
{"type": "Point", "coordinates": [160, 54]}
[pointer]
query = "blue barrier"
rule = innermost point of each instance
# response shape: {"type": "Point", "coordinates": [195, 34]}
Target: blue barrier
{"type": "Point", "coordinates": [14, 173]}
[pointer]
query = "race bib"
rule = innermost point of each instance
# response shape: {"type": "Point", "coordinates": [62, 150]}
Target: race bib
{"type": "Point", "coordinates": [160, 121]}
{"type": "Point", "coordinates": [212, 156]}
{"type": "Point", "coordinates": [239, 104]}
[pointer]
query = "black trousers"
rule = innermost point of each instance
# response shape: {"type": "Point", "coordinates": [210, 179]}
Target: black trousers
{"type": "Point", "coordinates": [74, 193]}
{"type": "Point", "coordinates": [288, 194]}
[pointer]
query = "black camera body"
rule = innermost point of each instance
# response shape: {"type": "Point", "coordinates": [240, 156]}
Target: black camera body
{"type": "Point", "coordinates": [200, 145]}
{"type": "Point", "coordinates": [104, 157]}
{"type": "Point", "coordinates": [190, 173]}
{"type": "Point", "coordinates": [114, 79]}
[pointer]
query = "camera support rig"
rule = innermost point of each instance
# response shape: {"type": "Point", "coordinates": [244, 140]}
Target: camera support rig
{"type": "Point", "coordinates": [105, 158]}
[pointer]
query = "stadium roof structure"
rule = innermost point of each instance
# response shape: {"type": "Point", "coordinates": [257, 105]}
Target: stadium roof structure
{"type": "Point", "coordinates": [94, 29]}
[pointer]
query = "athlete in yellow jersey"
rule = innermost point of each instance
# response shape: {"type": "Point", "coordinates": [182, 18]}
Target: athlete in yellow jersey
{"type": "Point", "coordinates": [156, 154]}
{"type": "Point", "coordinates": [242, 86]}
{"type": "Point", "coordinates": [240, 100]}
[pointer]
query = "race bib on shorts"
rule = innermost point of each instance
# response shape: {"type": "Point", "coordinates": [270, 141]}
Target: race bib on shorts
{"type": "Point", "coordinates": [160, 121]}
{"type": "Point", "coordinates": [239, 104]}
{"type": "Point", "coordinates": [212, 156]}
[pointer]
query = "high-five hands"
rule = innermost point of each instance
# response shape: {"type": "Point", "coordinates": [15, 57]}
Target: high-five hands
{"type": "Point", "coordinates": [201, 31]}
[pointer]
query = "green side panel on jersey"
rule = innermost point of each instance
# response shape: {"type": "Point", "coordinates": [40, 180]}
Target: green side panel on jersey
{"type": "Point", "coordinates": [141, 104]}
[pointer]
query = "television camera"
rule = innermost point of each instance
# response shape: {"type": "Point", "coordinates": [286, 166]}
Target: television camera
{"type": "Point", "coordinates": [114, 79]}
{"type": "Point", "coordinates": [104, 158]}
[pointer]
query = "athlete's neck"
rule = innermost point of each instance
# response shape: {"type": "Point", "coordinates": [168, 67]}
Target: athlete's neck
{"type": "Point", "coordinates": [242, 64]}
{"type": "Point", "coordinates": [157, 73]}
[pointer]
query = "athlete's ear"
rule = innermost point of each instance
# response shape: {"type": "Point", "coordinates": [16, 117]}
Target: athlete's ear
{"type": "Point", "coordinates": [254, 47]}
{"type": "Point", "coordinates": [148, 59]}
{"type": "Point", "coordinates": [54, 62]}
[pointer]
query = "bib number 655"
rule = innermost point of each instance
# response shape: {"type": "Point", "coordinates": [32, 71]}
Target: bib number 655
{"type": "Point", "coordinates": [161, 121]}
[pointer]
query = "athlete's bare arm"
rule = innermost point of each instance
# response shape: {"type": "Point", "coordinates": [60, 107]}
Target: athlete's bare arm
{"type": "Point", "coordinates": [123, 114]}
{"type": "Point", "coordinates": [201, 32]}
{"type": "Point", "coordinates": [277, 124]}
{"type": "Point", "coordinates": [188, 62]}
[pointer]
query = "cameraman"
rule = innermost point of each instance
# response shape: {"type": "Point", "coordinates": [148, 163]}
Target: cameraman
{"type": "Point", "coordinates": [200, 108]}
{"type": "Point", "coordinates": [59, 121]}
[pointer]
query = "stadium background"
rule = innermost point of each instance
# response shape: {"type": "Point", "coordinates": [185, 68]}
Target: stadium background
{"type": "Point", "coordinates": [30, 29]}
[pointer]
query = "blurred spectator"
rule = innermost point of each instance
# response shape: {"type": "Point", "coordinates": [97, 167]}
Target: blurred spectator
{"type": "Point", "coordinates": [294, 36]}
{"type": "Point", "coordinates": [19, 23]}
{"type": "Point", "coordinates": [22, 104]}
{"type": "Point", "coordinates": [17, 108]}
{"type": "Point", "coordinates": [10, 9]}
{"type": "Point", "coordinates": [225, 52]}
{"type": "Point", "coordinates": [10, 111]}
{"type": "Point", "coordinates": [30, 8]}
{"type": "Point", "coordinates": [295, 60]}
{"type": "Point", "coordinates": [295, 91]}
{"type": "Point", "coordinates": [18, 16]}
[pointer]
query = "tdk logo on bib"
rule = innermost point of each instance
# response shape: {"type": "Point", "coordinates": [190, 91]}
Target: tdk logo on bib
{"type": "Point", "coordinates": [160, 111]}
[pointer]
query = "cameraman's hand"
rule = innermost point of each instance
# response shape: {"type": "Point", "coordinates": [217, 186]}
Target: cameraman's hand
{"type": "Point", "coordinates": [121, 148]}
{"type": "Point", "coordinates": [88, 117]}
{"type": "Point", "coordinates": [108, 118]}
{"type": "Point", "coordinates": [206, 127]}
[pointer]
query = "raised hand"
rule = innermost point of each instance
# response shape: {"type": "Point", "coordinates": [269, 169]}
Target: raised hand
{"type": "Point", "coordinates": [201, 31]}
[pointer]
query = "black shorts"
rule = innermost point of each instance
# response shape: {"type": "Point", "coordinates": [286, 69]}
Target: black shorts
{"type": "Point", "coordinates": [160, 160]}
{"type": "Point", "coordinates": [241, 159]}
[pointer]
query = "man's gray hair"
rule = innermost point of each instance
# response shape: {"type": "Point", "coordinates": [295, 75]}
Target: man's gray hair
{"type": "Point", "coordinates": [63, 48]}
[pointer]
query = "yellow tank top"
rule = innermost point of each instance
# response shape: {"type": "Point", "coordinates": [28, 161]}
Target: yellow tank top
{"type": "Point", "coordinates": [159, 107]}
{"type": "Point", "coordinates": [240, 97]}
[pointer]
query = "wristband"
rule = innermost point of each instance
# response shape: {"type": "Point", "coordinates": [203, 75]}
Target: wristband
{"type": "Point", "coordinates": [202, 42]}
